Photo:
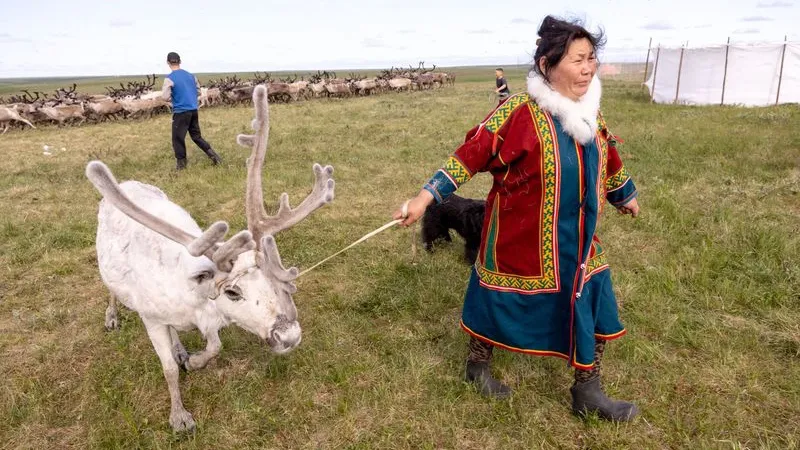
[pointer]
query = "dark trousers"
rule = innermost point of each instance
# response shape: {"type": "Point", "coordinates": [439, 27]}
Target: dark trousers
{"type": "Point", "coordinates": [181, 123]}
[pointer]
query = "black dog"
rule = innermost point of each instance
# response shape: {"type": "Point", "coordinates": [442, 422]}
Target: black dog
{"type": "Point", "coordinates": [463, 215]}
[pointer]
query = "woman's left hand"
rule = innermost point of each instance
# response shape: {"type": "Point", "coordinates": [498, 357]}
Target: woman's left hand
{"type": "Point", "coordinates": [632, 208]}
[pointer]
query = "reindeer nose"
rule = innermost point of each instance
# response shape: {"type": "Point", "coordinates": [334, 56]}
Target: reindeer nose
{"type": "Point", "coordinates": [285, 335]}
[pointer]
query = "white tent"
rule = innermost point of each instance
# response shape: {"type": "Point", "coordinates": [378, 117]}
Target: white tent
{"type": "Point", "coordinates": [752, 75]}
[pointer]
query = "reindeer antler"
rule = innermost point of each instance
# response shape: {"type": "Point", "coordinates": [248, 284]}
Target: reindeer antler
{"type": "Point", "coordinates": [206, 244]}
{"type": "Point", "coordinates": [259, 223]}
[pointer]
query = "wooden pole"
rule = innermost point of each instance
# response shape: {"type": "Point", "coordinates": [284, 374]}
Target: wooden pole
{"type": "Point", "coordinates": [780, 77]}
{"type": "Point", "coordinates": [725, 76]}
{"type": "Point", "coordinates": [655, 74]}
{"type": "Point", "coordinates": [680, 66]}
{"type": "Point", "coordinates": [647, 62]}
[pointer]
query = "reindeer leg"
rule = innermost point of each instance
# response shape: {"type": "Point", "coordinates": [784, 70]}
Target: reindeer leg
{"type": "Point", "coordinates": [112, 323]}
{"type": "Point", "coordinates": [178, 350]}
{"type": "Point", "coordinates": [5, 128]}
{"type": "Point", "coordinates": [200, 359]}
{"type": "Point", "coordinates": [179, 418]}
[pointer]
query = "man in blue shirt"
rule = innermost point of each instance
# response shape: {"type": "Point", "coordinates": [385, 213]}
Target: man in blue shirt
{"type": "Point", "coordinates": [182, 87]}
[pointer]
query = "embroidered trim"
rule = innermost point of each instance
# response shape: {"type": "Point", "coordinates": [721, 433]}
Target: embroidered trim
{"type": "Point", "coordinates": [456, 170]}
{"type": "Point", "coordinates": [608, 337]}
{"type": "Point", "coordinates": [512, 283]}
{"type": "Point", "coordinates": [617, 180]}
{"type": "Point", "coordinates": [548, 280]}
{"type": "Point", "coordinates": [551, 181]}
{"type": "Point", "coordinates": [602, 127]}
{"type": "Point", "coordinates": [601, 196]}
{"type": "Point", "coordinates": [601, 123]}
{"type": "Point", "coordinates": [578, 365]}
{"type": "Point", "coordinates": [513, 349]}
{"type": "Point", "coordinates": [501, 114]}
{"type": "Point", "coordinates": [596, 264]}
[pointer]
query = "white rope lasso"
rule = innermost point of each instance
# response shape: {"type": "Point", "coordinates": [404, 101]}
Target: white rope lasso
{"type": "Point", "coordinates": [231, 280]}
{"type": "Point", "coordinates": [404, 212]}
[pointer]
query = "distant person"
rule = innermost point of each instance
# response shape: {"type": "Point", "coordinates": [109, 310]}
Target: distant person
{"type": "Point", "coordinates": [182, 86]}
{"type": "Point", "coordinates": [502, 85]}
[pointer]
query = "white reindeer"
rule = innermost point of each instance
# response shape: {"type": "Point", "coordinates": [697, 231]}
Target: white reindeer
{"type": "Point", "coordinates": [8, 114]}
{"type": "Point", "coordinates": [208, 97]}
{"type": "Point", "coordinates": [155, 259]}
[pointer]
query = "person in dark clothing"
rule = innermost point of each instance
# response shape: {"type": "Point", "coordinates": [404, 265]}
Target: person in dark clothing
{"type": "Point", "coordinates": [502, 86]}
{"type": "Point", "coordinates": [182, 87]}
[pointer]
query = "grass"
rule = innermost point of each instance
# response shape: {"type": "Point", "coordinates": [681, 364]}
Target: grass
{"type": "Point", "coordinates": [708, 279]}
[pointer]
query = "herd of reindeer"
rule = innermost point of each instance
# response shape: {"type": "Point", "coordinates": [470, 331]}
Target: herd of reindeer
{"type": "Point", "coordinates": [144, 99]}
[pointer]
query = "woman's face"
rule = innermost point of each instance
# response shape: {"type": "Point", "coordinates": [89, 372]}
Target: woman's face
{"type": "Point", "coordinates": [573, 74]}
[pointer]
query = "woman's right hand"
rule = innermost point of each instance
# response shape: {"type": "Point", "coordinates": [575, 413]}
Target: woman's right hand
{"type": "Point", "coordinates": [415, 208]}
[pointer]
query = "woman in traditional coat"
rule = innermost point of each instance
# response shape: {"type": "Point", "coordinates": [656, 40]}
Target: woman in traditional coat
{"type": "Point", "coordinates": [541, 284]}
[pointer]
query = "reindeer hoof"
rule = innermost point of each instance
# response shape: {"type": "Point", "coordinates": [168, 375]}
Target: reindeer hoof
{"type": "Point", "coordinates": [182, 421]}
{"type": "Point", "coordinates": [195, 362]}
{"type": "Point", "coordinates": [182, 358]}
{"type": "Point", "coordinates": [112, 323]}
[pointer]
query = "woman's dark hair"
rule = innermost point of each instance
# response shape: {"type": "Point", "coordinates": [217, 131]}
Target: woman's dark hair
{"type": "Point", "coordinates": [555, 37]}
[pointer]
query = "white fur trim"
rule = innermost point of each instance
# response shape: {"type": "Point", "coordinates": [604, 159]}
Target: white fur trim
{"type": "Point", "coordinates": [579, 118]}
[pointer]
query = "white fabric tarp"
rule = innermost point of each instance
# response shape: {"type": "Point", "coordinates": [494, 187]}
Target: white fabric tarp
{"type": "Point", "coordinates": [752, 78]}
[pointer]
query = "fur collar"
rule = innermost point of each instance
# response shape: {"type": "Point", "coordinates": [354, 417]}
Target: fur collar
{"type": "Point", "coordinates": [579, 118]}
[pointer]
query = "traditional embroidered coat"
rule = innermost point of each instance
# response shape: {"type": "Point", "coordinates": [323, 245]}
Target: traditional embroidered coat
{"type": "Point", "coordinates": [541, 284]}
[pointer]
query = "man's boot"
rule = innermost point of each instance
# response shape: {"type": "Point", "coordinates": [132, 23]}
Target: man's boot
{"type": "Point", "coordinates": [589, 397]}
{"type": "Point", "coordinates": [181, 164]}
{"type": "Point", "coordinates": [479, 373]}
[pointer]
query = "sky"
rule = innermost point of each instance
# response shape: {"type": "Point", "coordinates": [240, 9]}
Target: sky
{"type": "Point", "coordinates": [88, 37]}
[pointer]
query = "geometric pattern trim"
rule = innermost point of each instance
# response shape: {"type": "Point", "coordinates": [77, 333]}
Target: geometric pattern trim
{"type": "Point", "coordinates": [496, 121]}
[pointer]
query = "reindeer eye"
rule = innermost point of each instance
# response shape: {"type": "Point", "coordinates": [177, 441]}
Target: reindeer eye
{"type": "Point", "coordinates": [233, 293]}
{"type": "Point", "coordinates": [203, 276]}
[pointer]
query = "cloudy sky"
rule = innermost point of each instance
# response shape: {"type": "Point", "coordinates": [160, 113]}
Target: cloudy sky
{"type": "Point", "coordinates": [89, 37]}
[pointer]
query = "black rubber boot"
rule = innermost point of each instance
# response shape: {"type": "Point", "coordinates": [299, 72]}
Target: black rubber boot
{"type": "Point", "coordinates": [215, 159]}
{"type": "Point", "coordinates": [589, 397]}
{"type": "Point", "coordinates": [181, 164]}
{"type": "Point", "coordinates": [479, 373]}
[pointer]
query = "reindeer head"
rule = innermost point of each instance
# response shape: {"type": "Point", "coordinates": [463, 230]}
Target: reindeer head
{"type": "Point", "coordinates": [243, 276]}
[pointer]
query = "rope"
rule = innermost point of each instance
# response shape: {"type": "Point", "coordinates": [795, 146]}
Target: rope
{"type": "Point", "coordinates": [362, 239]}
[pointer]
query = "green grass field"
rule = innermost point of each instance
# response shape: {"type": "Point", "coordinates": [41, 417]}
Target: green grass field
{"type": "Point", "coordinates": [708, 279]}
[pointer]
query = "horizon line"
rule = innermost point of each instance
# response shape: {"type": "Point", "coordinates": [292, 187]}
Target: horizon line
{"type": "Point", "coordinates": [283, 71]}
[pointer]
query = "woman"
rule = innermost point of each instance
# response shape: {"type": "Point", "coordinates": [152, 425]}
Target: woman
{"type": "Point", "coordinates": [541, 284]}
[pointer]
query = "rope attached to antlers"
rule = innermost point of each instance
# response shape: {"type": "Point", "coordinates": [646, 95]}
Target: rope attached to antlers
{"type": "Point", "coordinates": [368, 236]}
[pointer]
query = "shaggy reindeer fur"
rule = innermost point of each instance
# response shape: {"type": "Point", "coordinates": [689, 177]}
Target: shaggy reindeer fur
{"type": "Point", "coordinates": [463, 215]}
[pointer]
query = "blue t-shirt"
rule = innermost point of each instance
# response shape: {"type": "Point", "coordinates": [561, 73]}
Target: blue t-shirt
{"type": "Point", "coordinates": [184, 91]}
